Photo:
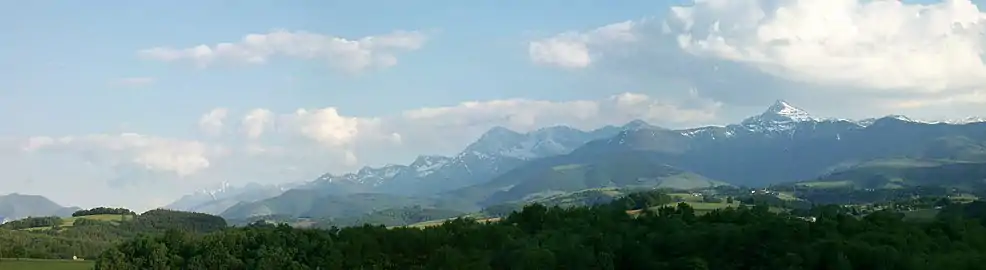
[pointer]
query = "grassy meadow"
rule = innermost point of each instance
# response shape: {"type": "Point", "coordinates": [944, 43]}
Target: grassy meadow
{"type": "Point", "coordinates": [36, 264]}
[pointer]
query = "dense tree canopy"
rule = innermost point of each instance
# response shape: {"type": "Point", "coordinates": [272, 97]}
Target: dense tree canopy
{"type": "Point", "coordinates": [32, 222]}
{"type": "Point", "coordinates": [103, 211]}
{"type": "Point", "coordinates": [603, 237]}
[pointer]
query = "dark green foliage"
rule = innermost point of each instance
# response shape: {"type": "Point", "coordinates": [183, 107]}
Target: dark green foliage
{"type": "Point", "coordinates": [602, 237]}
{"type": "Point", "coordinates": [103, 211]}
{"type": "Point", "coordinates": [21, 244]}
{"type": "Point", "coordinates": [89, 238]}
{"type": "Point", "coordinates": [161, 219]}
{"type": "Point", "coordinates": [32, 222]}
{"type": "Point", "coordinates": [642, 200]}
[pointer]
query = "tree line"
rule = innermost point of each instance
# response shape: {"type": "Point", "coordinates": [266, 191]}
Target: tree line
{"type": "Point", "coordinates": [103, 211]}
{"type": "Point", "coordinates": [32, 222]}
{"type": "Point", "coordinates": [595, 237]}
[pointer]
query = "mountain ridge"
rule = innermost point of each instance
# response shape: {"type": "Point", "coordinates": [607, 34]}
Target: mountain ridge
{"type": "Point", "coordinates": [782, 130]}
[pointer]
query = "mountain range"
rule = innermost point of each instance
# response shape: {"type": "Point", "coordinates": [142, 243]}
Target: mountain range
{"type": "Point", "coordinates": [782, 144]}
{"type": "Point", "coordinates": [215, 201]}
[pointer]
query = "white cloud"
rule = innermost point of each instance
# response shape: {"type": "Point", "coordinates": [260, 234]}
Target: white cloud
{"type": "Point", "coordinates": [326, 126]}
{"type": "Point", "coordinates": [133, 81]}
{"type": "Point", "coordinates": [346, 54]}
{"type": "Point", "coordinates": [256, 121]}
{"type": "Point", "coordinates": [211, 123]}
{"type": "Point", "coordinates": [445, 130]}
{"type": "Point", "coordinates": [180, 157]}
{"type": "Point", "coordinates": [878, 45]}
{"type": "Point", "coordinates": [572, 49]}
{"type": "Point", "coordinates": [880, 52]}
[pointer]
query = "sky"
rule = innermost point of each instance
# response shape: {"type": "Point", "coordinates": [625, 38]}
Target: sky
{"type": "Point", "coordinates": [134, 103]}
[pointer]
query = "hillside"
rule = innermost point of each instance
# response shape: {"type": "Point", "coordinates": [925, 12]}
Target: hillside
{"type": "Point", "coordinates": [899, 173]}
{"type": "Point", "coordinates": [312, 204]}
{"type": "Point", "coordinates": [16, 206]}
{"type": "Point", "coordinates": [628, 170]}
{"type": "Point", "coordinates": [87, 236]}
{"type": "Point", "coordinates": [393, 217]}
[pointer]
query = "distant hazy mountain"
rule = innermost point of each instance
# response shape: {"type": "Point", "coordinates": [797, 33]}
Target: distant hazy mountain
{"type": "Point", "coordinates": [496, 151]}
{"type": "Point", "coordinates": [310, 203]}
{"type": "Point", "coordinates": [16, 206]}
{"type": "Point", "coordinates": [215, 201]}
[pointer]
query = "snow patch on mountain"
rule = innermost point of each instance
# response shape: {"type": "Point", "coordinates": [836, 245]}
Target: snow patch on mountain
{"type": "Point", "coordinates": [223, 188]}
{"type": "Point", "coordinates": [427, 165]}
{"type": "Point", "coordinates": [779, 117]}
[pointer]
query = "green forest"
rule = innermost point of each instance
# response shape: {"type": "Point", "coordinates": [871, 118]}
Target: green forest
{"type": "Point", "coordinates": [594, 237]}
{"type": "Point", "coordinates": [89, 236]}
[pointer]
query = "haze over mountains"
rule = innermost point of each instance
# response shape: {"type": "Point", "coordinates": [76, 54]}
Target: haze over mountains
{"type": "Point", "coordinates": [783, 144]}
{"type": "Point", "coordinates": [16, 206]}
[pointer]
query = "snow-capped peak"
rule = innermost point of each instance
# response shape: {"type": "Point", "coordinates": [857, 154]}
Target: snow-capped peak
{"type": "Point", "coordinates": [780, 116]}
{"type": "Point", "coordinates": [783, 109]}
{"type": "Point", "coordinates": [962, 121]}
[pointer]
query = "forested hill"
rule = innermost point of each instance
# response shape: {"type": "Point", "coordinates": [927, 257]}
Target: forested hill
{"type": "Point", "coordinates": [90, 232]}
{"type": "Point", "coordinates": [601, 237]}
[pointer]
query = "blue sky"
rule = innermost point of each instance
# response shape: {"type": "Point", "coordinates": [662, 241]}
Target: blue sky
{"type": "Point", "coordinates": [80, 103]}
{"type": "Point", "coordinates": [476, 53]}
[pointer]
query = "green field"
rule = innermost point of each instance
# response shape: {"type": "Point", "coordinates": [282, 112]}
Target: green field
{"type": "Point", "coordinates": [111, 218]}
{"type": "Point", "coordinates": [33, 264]}
{"type": "Point", "coordinates": [826, 184]}
{"type": "Point", "coordinates": [69, 222]}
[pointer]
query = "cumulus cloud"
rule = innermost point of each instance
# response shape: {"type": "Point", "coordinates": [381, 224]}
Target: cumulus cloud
{"type": "Point", "coordinates": [572, 49]}
{"type": "Point", "coordinates": [819, 51]}
{"type": "Point", "coordinates": [211, 123]}
{"type": "Point", "coordinates": [444, 130]}
{"type": "Point", "coordinates": [878, 45]}
{"type": "Point", "coordinates": [346, 54]}
{"type": "Point", "coordinates": [180, 157]}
